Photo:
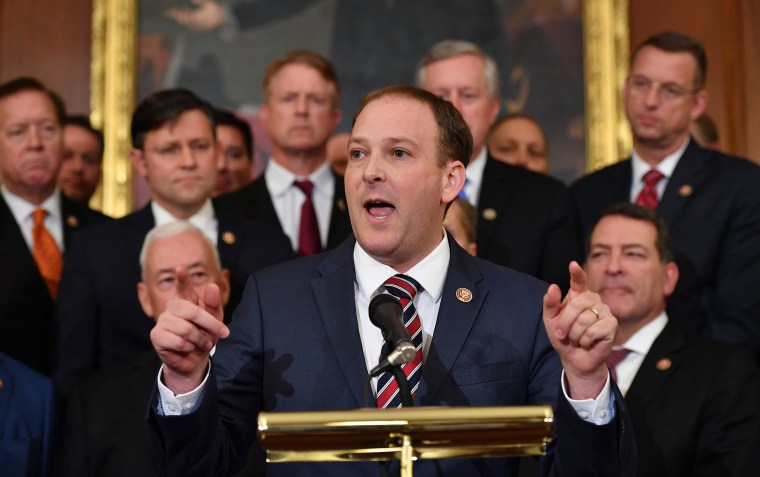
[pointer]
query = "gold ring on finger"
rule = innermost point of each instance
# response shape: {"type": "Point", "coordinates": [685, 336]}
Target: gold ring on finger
{"type": "Point", "coordinates": [593, 310]}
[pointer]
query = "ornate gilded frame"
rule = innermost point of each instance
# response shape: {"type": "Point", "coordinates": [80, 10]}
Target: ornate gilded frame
{"type": "Point", "coordinates": [112, 87]}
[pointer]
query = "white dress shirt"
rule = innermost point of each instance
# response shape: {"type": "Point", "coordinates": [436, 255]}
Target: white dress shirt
{"type": "Point", "coordinates": [639, 344]}
{"type": "Point", "coordinates": [288, 199]}
{"type": "Point", "coordinates": [22, 212]}
{"type": "Point", "coordinates": [475, 177]}
{"type": "Point", "coordinates": [204, 219]}
{"type": "Point", "coordinates": [666, 167]}
{"type": "Point", "coordinates": [430, 272]}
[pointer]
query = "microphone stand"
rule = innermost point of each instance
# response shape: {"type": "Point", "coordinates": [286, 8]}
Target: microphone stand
{"type": "Point", "coordinates": [403, 386]}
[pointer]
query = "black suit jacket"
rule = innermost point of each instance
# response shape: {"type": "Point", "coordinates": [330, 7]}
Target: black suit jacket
{"type": "Point", "coordinates": [294, 345]}
{"type": "Point", "coordinates": [255, 202]}
{"type": "Point", "coordinates": [527, 222]}
{"type": "Point", "coordinates": [99, 316]}
{"type": "Point", "coordinates": [695, 407]}
{"type": "Point", "coordinates": [26, 308]}
{"type": "Point", "coordinates": [712, 205]}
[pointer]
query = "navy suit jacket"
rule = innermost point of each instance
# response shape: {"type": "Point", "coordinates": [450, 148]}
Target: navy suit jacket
{"type": "Point", "coordinates": [99, 316]}
{"type": "Point", "coordinates": [255, 202]}
{"type": "Point", "coordinates": [27, 414]}
{"type": "Point", "coordinates": [526, 222]}
{"type": "Point", "coordinates": [26, 307]}
{"type": "Point", "coordinates": [712, 206]}
{"type": "Point", "coordinates": [295, 345]}
{"type": "Point", "coordinates": [694, 407]}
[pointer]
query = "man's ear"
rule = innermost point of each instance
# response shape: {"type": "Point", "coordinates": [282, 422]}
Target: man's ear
{"type": "Point", "coordinates": [671, 278]}
{"type": "Point", "coordinates": [137, 157]}
{"type": "Point", "coordinates": [142, 295]}
{"type": "Point", "coordinates": [455, 178]}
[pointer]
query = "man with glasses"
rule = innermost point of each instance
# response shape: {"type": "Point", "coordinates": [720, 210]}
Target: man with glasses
{"type": "Point", "coordinates": [711, 201]}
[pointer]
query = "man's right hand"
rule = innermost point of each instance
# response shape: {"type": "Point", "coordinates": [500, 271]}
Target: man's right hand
{"type": "Point", "coordinates": [185, 333]}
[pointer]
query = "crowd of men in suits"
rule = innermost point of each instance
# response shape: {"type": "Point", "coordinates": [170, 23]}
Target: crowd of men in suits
{"type": "Point", "coordinates": [82, 293]}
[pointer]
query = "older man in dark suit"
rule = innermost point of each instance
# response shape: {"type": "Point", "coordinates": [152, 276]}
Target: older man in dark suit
{"type": "Point", "coordinates": [711, 201]}
{"type": "Point", "coordinates": [174, 148]}
{"type": "Point", "coordinates": [693, 401]}
{"type": "Point", "coordinates": [526, 220]}
{"type": "Point", "coordinates": [36, 221]}
{"type": "Point", "coordinates": [302, 338]}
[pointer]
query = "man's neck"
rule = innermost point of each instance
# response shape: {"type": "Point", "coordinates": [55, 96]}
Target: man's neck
{"type": "Point", "coordinates": [300, 162]}
{"type": "Point", "coordinates": [180, 213]}
{"type": "Point", "coordinates": [654, 154]}
{"type": "Point", "coordinates": [33, 195]}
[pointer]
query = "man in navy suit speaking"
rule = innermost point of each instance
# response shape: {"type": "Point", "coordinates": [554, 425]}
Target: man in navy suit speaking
{"type": "Point", "coordinates": [301, 338]}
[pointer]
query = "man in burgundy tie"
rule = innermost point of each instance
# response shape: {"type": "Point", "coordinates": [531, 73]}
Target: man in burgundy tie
{"type": "Point", "coordinates": [710, 200]}
{"type": "Point", "coordinates": [302, 337]}
{"type": "Point", "coordinates": [693, 401]}
{"type": "Point", "coordinates": [36, 220]}
{"type": "Point", "coordinates": [298, 192]}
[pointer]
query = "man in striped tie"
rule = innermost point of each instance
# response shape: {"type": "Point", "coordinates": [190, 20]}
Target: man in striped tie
{"type": "Point", "coordinates": [302, 338]}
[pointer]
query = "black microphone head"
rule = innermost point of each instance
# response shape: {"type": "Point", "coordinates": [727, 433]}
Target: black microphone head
{"type": "Point", "coordinates": [386, 313]}
{"type": "Point", "coordinates": [383, 306]}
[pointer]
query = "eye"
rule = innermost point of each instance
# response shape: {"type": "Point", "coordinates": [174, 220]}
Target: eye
{"type": "Point", "coordinates": [400, 153]}
{"type": "Point", "coordinates": [355, 154]}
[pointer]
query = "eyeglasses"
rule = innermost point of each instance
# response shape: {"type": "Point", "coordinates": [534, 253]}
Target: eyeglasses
{"type": "Point", "coordinates": [668, 92]}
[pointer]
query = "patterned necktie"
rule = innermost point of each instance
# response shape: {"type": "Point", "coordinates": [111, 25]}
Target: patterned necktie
{"type": "Point", "coordinates": [648, 195]}
{"type": "Point", "coordinates": [309, 242]}
{"type": "Point", "coordinates": [46, 253]}
{"type": "Point", "coordinates": [616, 356]}
{"type": "Point", "coordinates": [404, 288]}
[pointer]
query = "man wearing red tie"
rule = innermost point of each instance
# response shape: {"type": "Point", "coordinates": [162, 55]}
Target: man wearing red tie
{"type": "Point", "coordinates": [36, 220]}
{"type": "Point", "coordinates": [693, 401]}
{"type": "Point", "coordinates": [710, 201]}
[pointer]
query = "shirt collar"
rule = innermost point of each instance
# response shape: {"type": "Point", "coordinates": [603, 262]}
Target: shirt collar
{"type": "Point", "coordinates": [666, 166]}
{"type": "Point", "coordinates": [430, 272]}
{"type": "Point", "coordinates": [476, 166]}
{"type": "Point", "coordinates": [22, 209]}
{"type": "Point", "coordinates": [279, 180]}
{"type": "Point", "coordinates": [641, 341]}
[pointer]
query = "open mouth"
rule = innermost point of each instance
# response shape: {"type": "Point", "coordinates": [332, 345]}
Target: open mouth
{"type": "Point", "coordinates": [379, 209]}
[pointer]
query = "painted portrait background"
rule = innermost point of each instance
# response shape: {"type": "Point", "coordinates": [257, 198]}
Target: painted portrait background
{"type": "Point", "coordinates": [538, 45]}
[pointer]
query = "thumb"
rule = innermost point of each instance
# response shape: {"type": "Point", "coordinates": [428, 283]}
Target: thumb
{"type": "Point", "coordinates": [212, 301]}
{"type": "Point", "coordinates": [578, 282]}
{"type": "Point", "coordinates": [184, 289]}
{"type": "Point", "coordinates": [552, 303]}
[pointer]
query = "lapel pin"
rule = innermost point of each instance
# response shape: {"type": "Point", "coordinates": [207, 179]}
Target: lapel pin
{"type": "Point", "coordinates": [229, 238]}
{"type": "Point", "coordinates": [2, 384]}
{"type": "Point", "coordinates": [72, 221]}
{"type": "Point", "coordinates": [685, 190]}
{"type": "Point", "coordinates": [341, 203]}
{"type": "Point", "coordinates": [664, 364]}
{"type": "Point", "coordinates": [464, 295]}
{"type": "Point", "coordinates": [489, 214]}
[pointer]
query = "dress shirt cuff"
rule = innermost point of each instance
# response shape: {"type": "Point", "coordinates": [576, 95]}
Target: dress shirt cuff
{"type": "Point", "coordinates": [171, 405]}
{"type": "Point", "coordinates": [597, 411]}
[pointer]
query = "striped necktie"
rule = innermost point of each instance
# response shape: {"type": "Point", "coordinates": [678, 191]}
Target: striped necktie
{"type": "Point", "coordinates": [404, 288]}
{"type": "Point", "coordinates": [648, 195]}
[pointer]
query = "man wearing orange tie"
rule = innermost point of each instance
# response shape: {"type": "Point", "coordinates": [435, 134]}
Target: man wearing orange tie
{"type": "Point", "coordinates": [36, 220]}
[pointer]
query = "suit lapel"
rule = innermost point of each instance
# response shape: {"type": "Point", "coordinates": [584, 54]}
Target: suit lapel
{"type": "Point", "coordinates": [6, 396]}
{"type": "Point", "coordinates": [340, 224]}
{"type": "Point", "coordinates": [229, 240]}
{"type": "Point", "coordinates": [455, 319]}
{"type": "Point", "coordinates": [334, 293]}
{"type": "Point", "coordinates": [687, 178]}
{"type": "Point", "coordinates": [495, 190]}
{"type": "Point", "coordinates": [617, 188]}
{"type": "Point", "coordinates": [659, 364]}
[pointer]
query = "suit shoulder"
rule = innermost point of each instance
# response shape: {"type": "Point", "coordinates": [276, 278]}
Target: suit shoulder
{"type": "Point", "coordinates": [520, 175]}
{"type": "Point", "coordinates": [507, 280]}
{"type": "Point", "coordinates": [602, 175]}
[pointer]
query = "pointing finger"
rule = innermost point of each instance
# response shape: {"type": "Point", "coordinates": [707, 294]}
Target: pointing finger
{"type": "Point", "coordinates": [578, 282]}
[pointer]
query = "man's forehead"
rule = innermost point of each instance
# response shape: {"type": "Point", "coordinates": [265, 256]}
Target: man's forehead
{"type": "Point", "coordinates": [618, 229]}
{"type": "Point", "coordinates": [395, 115]}
{"type": "Point", "coordinates": [39, 98]}
{"type": "Point", "coordinates": [189, 125]}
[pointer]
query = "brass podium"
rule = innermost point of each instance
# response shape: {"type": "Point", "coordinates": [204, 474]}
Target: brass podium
{"type": "Point", "coordinates": [405, 434]}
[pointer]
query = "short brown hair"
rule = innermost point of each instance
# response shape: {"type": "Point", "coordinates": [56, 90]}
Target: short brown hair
{"type": "Point", "coordinates": [637, 212]}
{"type": "Point", "coordinates": [26, 83]}
{"type": "Point", "coordinates": [302, 57]}
{"type": "Point", "coordinates": [454, 138]}
{"type": "Point", "coordinates": [674, 42]}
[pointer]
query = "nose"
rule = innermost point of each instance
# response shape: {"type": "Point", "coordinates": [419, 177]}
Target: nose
{"type": "Point", "coordinates": [302, 105]}
{"type": "Point", "coordinates": [33, 138]}
{"type": "Point", "coordinates": [613, 264]}
{"type": "Point", "coordinates": [373, 169]}
{"type": "Point", "coordinates": [454, 99]}
{"type": "Point", "coordinates": [652, 96]}
{"type": "Point", "coordinates": [521, 157]}
{"type": "Point", "coordinates": [188, 158]}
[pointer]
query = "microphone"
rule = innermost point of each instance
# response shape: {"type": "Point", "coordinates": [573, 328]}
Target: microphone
{"type": "Point", "coordinates": [386, 313]}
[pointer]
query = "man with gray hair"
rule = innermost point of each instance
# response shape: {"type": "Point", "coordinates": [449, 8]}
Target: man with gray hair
{"type": "Point", "coordinates": [525, 221]}
{"type": "Point", "coordinates": [177, 259]}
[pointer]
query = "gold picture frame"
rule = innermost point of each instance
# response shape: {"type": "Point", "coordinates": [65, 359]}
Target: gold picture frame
{"type": "Point", "coordinates": [113, 87]}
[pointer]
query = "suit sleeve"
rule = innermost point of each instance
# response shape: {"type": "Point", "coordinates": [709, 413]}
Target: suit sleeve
{"type": "Point", "coordinates": [223, 426]}
{"type": "Point", "coordinates": [71, 454]}
{"type": "Point", "coordinates": [735, 306]}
